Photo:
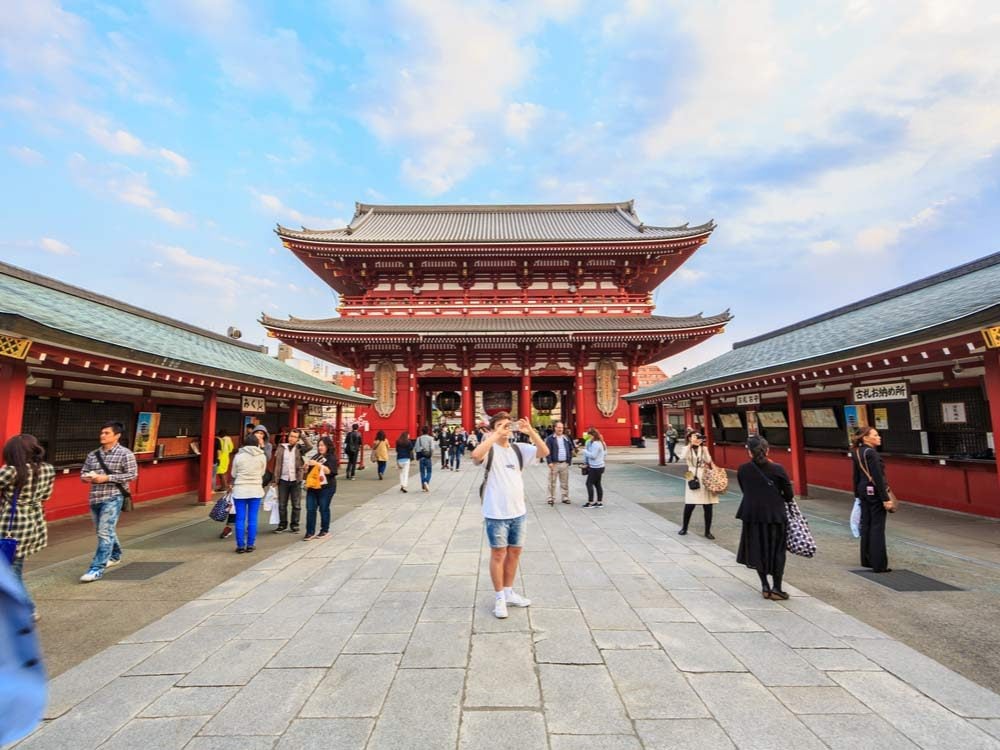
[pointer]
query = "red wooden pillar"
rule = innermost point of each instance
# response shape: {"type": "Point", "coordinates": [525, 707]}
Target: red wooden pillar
{"type": "Point", "coordinates": [580, 403]}
{"type": "Point", "coordinates": [688, 418]}
{"type": "Point", "coordinates": [206, 471]}
{"type": "Point", "coordinates": [13, 389]}
{"type": "Point", "coordinates": [660, 435]}
{"type": "Point", "coordinates": [796, 439]}
{"type": "Point", "coordinates": [293, 415]}
{"type": "Point", "coordinates": [635, 426]}
{"type": "Point", "coordinates": [468, 402]}
{"type": "Point", "coordinates": [992, 361]}
{"type": "Point", "coordinates": [706, 422]}
{"type": "Point", "coordinates": [524, 400]}
{"type": "Point", "coordinates": [411, 404]}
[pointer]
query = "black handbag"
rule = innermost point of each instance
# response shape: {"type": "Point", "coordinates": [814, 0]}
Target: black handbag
{"type": "Point", "coordinates": [694, 484]}
{"type": "Point", "coordinates": [126, 495]}
{"type": "Point", "coordinates": [585, 469]}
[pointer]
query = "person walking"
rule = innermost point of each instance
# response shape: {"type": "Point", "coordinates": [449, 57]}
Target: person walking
{"type": "Point", "coordinates": [249, 466]}
{"type": "Point", "coordinates": [26, 483]}
{"type": "Point", "coordinates": [404, 454]}
{"type": "Point", "coordinates": [23, 683]}
{"type": "Point", "coordinates": [323, 465]}
{"type": "Point", "coordinates": [766, 488]}
{"type": "Point", "coordinates": [671, 439]}
{"type": "Point", "coordinates": [504, 510]}
{"type": "Point", "coordinates": [593, 456]}
{"type": "Point", "coordinates": [108, 470]}
{"type": "Point", "coordinates": [560, 457]}
{"type": "Point", "coordinates": [871, 487]}
{"type": "Point", "coordinates": [224, 447]}
{"type": "Point", "coordinates": [456, 449]}
{"type": "Point", "coordinates": [380, 450]}
{"type": "Point", "coordinates": [698, 461]}
{"type": "Point", "coordinates": [352, 447]}
{"type": "Point", "coordinates": [424, 450]}
{"type": "Point", "coordinates": [289, 471]}
{"type": "Point", "coordinates": [445, 441]}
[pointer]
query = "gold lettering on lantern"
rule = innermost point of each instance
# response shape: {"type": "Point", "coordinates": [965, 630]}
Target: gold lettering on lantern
{"type": "Point", "coordinates": [607, 386]}
{"type": "Point", "coordinates": [385, 388]}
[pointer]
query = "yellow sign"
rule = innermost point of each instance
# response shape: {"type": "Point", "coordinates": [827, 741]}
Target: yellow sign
{"type": "Point", "coordinates": [13, 347]}
{"type": "Point", "coordinates": [991, 336]}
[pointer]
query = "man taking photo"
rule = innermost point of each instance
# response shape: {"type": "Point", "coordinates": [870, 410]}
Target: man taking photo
{"type": "Point", "coordinates": [504, 509]}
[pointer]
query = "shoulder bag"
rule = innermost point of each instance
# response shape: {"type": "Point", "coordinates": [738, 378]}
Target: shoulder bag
{"type": "Point", "coordinates": [891, 505]}
{"type": "Point", "coordinates": [8, 545]}
{"type": "Point", "coordinates": [799, 539]}
{"type": "Point", "coordinates": [716, 479]}
{"type": "Point", "coordinates": [220, 511]}
{"type": "Point", "coordinates": [126, 494]}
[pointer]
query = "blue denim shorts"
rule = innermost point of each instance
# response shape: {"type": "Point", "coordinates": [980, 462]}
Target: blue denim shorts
{"type": "Point", "coordinates": [506, 532]}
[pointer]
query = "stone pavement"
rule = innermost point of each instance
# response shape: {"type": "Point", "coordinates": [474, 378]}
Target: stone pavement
{"type": "Point", "coordinates": [383, 637]}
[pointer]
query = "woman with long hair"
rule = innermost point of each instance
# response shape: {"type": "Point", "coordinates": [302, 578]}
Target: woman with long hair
{"type": "Point", "coordinates": [380, 450]}
{"type": "Point", "coordinates": [593, 457]}
{"type": "Point", "coordinates": [247, 486]}
{"type": "Point", "coordinates": [404, 454]}
{"type": "Point", "coordinates": [26, 483]}
{"type": "Point", "coordinates": [699, 460]}
{"type": "Point", "coordinates": [324, 463]}
{"type": "Point", "coordinates": [872, 489]}
{"type": "Point", "coordinates": [766, 489]}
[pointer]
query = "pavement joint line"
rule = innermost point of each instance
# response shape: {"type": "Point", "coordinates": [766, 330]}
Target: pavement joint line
{"type": "Point", "coordinates": [124, 541]}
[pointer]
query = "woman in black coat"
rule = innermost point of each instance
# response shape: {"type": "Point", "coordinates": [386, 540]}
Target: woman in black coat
{"type": "Point", "coordinates": [766, 489]}
{"type": "Point", "coordinates": [873, 492]}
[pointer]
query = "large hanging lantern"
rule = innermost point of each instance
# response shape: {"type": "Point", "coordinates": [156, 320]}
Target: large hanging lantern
{"type": "Point", "coordinates": [495, 402]}
{"type": "Point", "coordinates": [448, 402]}
{"type": "Point", "coordinates": [544, 401]}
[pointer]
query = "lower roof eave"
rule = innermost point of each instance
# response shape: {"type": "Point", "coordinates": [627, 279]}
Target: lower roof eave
{"type": "Point", "coordinates": [46, 336]}
{"type": "Point", "coordinates": [885, 348]}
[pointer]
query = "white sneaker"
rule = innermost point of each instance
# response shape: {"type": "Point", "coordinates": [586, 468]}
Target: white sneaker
{"type": "Point", "coordinates": [500, 608]}
{"type": "Point", "coordinates": [112, 562]}
{"type": "Point", "coordinates": [91, 575]}
{"type": "Point", "coordinates": [514, 599]}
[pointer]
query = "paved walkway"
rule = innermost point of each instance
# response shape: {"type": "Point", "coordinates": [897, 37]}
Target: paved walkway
{"type": "Point", "coordinates": [383, 637]}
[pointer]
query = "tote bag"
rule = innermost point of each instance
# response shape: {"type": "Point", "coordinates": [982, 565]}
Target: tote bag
{"type": "Point", "coordinates": [799, 540]}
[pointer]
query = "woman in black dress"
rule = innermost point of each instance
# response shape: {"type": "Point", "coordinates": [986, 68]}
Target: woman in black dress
{"type": "Point", "coordinates": [871, 488]}
{"type": "Point", "coordinates": [766, 489]}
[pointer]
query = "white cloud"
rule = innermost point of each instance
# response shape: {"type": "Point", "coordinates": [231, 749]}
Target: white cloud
{"type": "Point", "coordinates": [228, 279]}
{"type": "Point", "coordinates": [27, 156]}
{"type": "Point", "coordinates": [689, 275]}
{"type": "Point", "coordinates": [124, 185]}
{"type": "Point", "coordinates": [521, 118]}
{"type": "Point", "coordinates": [274, 206]}
{"type": "Point", "coordinates": [446, 88]}
{"type": "Point", "coordinates": [54, 246]}
{"type": "Point", "coordinates": [123, 143]}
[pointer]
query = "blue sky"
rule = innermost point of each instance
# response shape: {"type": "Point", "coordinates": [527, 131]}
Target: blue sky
{"type": "Point", "coordinates": [148, 149]}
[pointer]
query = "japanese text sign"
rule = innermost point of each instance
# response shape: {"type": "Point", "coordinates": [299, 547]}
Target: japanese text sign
{"type": "Point", "coordinates": [882, 392]}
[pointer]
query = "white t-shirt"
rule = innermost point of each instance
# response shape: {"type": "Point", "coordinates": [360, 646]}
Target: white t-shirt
{"type": "Point", "coordinates": [504, 493]}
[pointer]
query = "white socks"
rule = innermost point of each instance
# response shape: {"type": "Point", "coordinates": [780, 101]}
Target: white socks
{"type": "Point", "coordinates": [507, 592]}
{"type": "Point", "coordinates": [501, 595]}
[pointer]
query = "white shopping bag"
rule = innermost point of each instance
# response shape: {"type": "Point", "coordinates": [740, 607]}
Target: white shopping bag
{"type": "Point", "coordinates": [856, 519]}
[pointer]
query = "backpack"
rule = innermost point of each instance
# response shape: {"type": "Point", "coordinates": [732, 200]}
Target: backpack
{"type": "Point", "coordinates": [489, 465]}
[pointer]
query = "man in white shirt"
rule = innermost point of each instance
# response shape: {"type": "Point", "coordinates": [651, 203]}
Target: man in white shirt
{"type": "Point", "coordinates": [504, 509]}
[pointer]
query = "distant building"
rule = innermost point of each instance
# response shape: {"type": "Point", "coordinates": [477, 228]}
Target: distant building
{"type": "Point", "coordinates": [651, 375]}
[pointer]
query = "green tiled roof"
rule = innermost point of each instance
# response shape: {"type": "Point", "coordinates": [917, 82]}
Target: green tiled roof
{"type": "Point", "coordinates": [940, 302]}
{"type": "Point", "coordinates": [142, 336]}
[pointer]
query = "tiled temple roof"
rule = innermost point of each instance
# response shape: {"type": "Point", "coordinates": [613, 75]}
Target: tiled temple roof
{"type": "Point", "coordinates": [575, 222]}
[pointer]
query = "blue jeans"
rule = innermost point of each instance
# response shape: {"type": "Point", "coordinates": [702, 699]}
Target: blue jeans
{"type": "Point", "coordinates": [105, 516]}
{"type": "Point", "coordinates": [320, 500]}
{"type": "Point", "coordinates": [426, 465]}
{"type": "Point", "coordinates": [246, 521]}
{"type": "Point", "coordinates": [455, 457]}
{"type": "Point", "coordinates": [18, 567]}
{"type": "Point", "coordinates": [381, 467]}
{"type": "Point", "coordinates": [506, 532]}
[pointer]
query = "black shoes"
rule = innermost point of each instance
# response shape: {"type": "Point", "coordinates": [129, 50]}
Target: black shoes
{"type": "Point", "coordinates": [280, 530]}
{"type": "Point", "coordinates": [294, 529]}
{"type": "Point", "coordinates": [240, 550]}
{"type": "Point", "coordinates": [682, 532]}
{"type": "Point", "coordinates": [709, 535]}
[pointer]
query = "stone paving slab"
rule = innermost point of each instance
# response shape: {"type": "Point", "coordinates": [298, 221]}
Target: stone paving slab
{"type": "Point", "coordinates": [383, 636]}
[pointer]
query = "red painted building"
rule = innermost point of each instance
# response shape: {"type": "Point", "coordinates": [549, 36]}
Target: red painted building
{"type": "Point", "coordinates": [921, 363]}
{"type": "Point", "coordinates": [71, 360]}
{"type": "Point", "coordinates": [533, 308]}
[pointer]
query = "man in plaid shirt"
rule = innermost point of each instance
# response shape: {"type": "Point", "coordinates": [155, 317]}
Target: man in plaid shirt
{"type": "Point", "coordinates": [106, 495]}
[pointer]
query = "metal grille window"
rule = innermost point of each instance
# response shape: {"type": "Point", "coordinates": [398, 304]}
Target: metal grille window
{"type": "Point", "coordinates": [960, 439]}
{"type": "Point", "coordinates": [68, 429]}
{"type": "Point", "coordinates": [176, 421]}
